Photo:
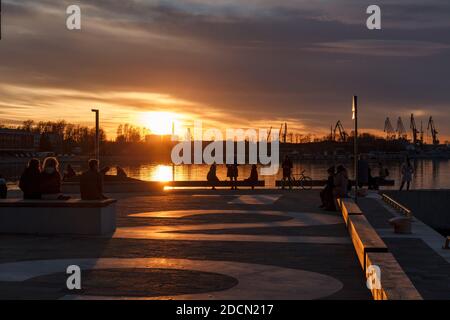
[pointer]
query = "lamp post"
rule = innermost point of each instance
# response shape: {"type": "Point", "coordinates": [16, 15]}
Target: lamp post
{"type": "Point", "coordinates": [97, 133]}
{"type": "Point", "coordinates": [355, 144]}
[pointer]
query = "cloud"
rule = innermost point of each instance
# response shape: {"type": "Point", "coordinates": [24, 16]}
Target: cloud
{"type": "Point", "coordinates": [228, 61]}
{"type": "Point", "coordinates": [388, 48]}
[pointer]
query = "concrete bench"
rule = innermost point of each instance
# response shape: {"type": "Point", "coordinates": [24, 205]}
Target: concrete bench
{"type": "Point", "coordinates": [321, 183]}
{"type": "Point", "coordinates": [57, 217]}
{"type": "Point", "coordinates": [205, 184]}
{"type": "Point", "coordinates": [348, 208]}
{"type": "Point", "coordinates": [364, 237]}
{"type": "Point", "coordinates": [126, 186]}
{"type": "Point", "coordinates": [393, 283]}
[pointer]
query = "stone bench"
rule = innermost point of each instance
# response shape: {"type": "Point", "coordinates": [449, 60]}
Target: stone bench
{"type": "Point", "coordinates": [57, 217]}
{"type": "Point", "coordinates": [364, 237]}
{"type": "Point", "coordinates": [393, 283]}
{"type": "Point", "coordinates": [321, 183]}
{"type": "Point", "coordinates": [127, 186]}
{"type": "Point", "coordinates": [348, 208]}
{"type": "Point", "coordinates": [225, 183]}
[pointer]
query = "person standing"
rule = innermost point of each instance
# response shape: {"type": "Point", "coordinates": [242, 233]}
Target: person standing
{"type": "Point", "coordinates": [211, 177]}
{"type": "Point", "coordinates": [233, 173]}
{"type": "Point", "coordinates": [407, 172]}
{"type": "Point", "coordinates": [287, 171]}
{"type": "Point", "coordinates": [363, 171]}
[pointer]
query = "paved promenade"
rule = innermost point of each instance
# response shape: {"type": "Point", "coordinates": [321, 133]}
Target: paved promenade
{"type": "Point", "coordinates": [196, 244]}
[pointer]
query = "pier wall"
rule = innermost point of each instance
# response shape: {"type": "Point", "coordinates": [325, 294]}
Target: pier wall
{"type": "Point", "coordinates": [430, 206]}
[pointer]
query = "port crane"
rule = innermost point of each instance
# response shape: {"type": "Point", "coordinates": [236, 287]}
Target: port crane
{"type": "Point", "coordinates": [284, 135]}
{"type": "Point", "coordinates": [342, 134]}
{"type": "Point", "coordinates": [269, 134]}
{"type": "Point", "coordinates": [390, 133]}
{"type": "Point", "coordinates": [421, 132]}
{"type": "Point", "coordinates": [413, 127]}
{"type": "Point", "coordinates": [433, 131]}
{"type": "Point", "coordinates": [401, 132]}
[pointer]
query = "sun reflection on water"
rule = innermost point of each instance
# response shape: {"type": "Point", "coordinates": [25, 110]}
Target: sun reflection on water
{"type": "Point", "coordinates": [161, 173]}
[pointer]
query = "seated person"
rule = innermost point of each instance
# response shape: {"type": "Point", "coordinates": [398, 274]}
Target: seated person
{"type": "Point", "coordinates": [91, 183]}
{"type": "Point", "coordinates": [70, 173]}
{"type": "Point", "coordinates": [30, 180]}
{"type": "Point", "coordinates": [326, 195]}
{"type": "Point", "coordinates": [50, 181]}
{"type": "Point", "coordinates": [341, 183]}
{"type": "Point", "coordinates": [121, 173]}
{"type": "Point", "coordinates": [212, 176]}
{"type": "Point", "coordinates": [3, 188]}
{"type": "Point", "coordinates": [253, 179]}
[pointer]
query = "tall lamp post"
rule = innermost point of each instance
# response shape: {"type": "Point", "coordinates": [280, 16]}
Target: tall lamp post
{"type": "Point", "coordinates": [355, 144]}
{"type": "Point", "coordinates": [97, 133]}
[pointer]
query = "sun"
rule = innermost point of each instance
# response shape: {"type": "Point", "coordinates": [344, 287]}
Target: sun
{"type": "Point", "coordinates": [160, 123]}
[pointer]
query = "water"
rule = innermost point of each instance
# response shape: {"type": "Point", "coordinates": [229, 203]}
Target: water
{"type": "Point", "coordinates": [429, 174]}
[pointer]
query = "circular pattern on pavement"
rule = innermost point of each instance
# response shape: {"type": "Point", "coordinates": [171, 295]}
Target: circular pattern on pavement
{"type": "Point", "coordinates": [255, 281]}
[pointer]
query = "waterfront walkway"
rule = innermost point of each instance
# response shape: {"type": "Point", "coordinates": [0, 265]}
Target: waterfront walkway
{"type": "Point", "coordinates": [196, 244]}
{"type": "Point", "coordinates": [420, 254]}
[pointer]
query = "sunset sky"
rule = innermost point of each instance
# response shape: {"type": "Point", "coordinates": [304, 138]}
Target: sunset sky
{"type": "Point", "coordinates": [230, 63]}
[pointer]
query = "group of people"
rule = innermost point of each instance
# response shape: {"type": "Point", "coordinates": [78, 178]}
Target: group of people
{"type": "Point", "coordinates": [44, 182]}
{"type": "Point", "coordinates": [365, 177]}
{"type": "Point", "coordinates": [232, 174]}
{"type": "Point", "coordinates": [337, 186]}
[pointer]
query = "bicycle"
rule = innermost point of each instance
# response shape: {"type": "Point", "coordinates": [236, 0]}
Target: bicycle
{"type": "Point", "coordinates": [301, 181]}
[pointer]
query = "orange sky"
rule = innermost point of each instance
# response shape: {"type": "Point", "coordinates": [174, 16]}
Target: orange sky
{"type": "Point", "coordinates": [228, 63]}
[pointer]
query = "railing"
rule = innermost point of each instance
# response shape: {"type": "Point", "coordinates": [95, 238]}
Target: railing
{"type": "Point", "coordinates": [396, 205]}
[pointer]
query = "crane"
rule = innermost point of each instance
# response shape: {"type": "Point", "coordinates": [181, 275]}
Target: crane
{"type": "Point", "coordinates": [421, 132]}
{"type": "Point", "coordinates": [414, 129]}
{"type": "Point", "coordinates": [433, 131]}
{"type": "Point", "coordinates": [401, 132]}
{"type": "Point", "coordinates": [269, 134]}
{"type": "Point", "coordinates": [390, 133]}
{"type": "Point", "coordinates": [342, 134]}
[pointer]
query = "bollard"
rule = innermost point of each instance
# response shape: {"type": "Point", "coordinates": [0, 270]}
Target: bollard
{"type": "Point", "coordinates": [401, 225]}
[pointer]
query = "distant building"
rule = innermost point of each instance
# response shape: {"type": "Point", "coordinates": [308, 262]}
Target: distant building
{"type": "Point", "coordinates": [18, 140]}
{"type": "Point", "coordinates": [158, 139]}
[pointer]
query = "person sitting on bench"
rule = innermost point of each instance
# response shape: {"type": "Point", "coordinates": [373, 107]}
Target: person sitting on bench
{"type": "Point", "coordinates": [69, 173]}
{"type": "Point", "coordinates": [91, 183]}
{"type": "Point", "coordinates": [50, 181]}
{"type": "Point", "coordinates": [212, 176]}
{"type": "Point", "coordinates": [3, 188]}
{"type": "Point", "coordinates": [30, 180]}
{"type": "Point", "coordinates": [121, 173]}
{"type": "Point", "coordinates": [326, 195]}
{"type": "Point", "coordinates": [253, 179]}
